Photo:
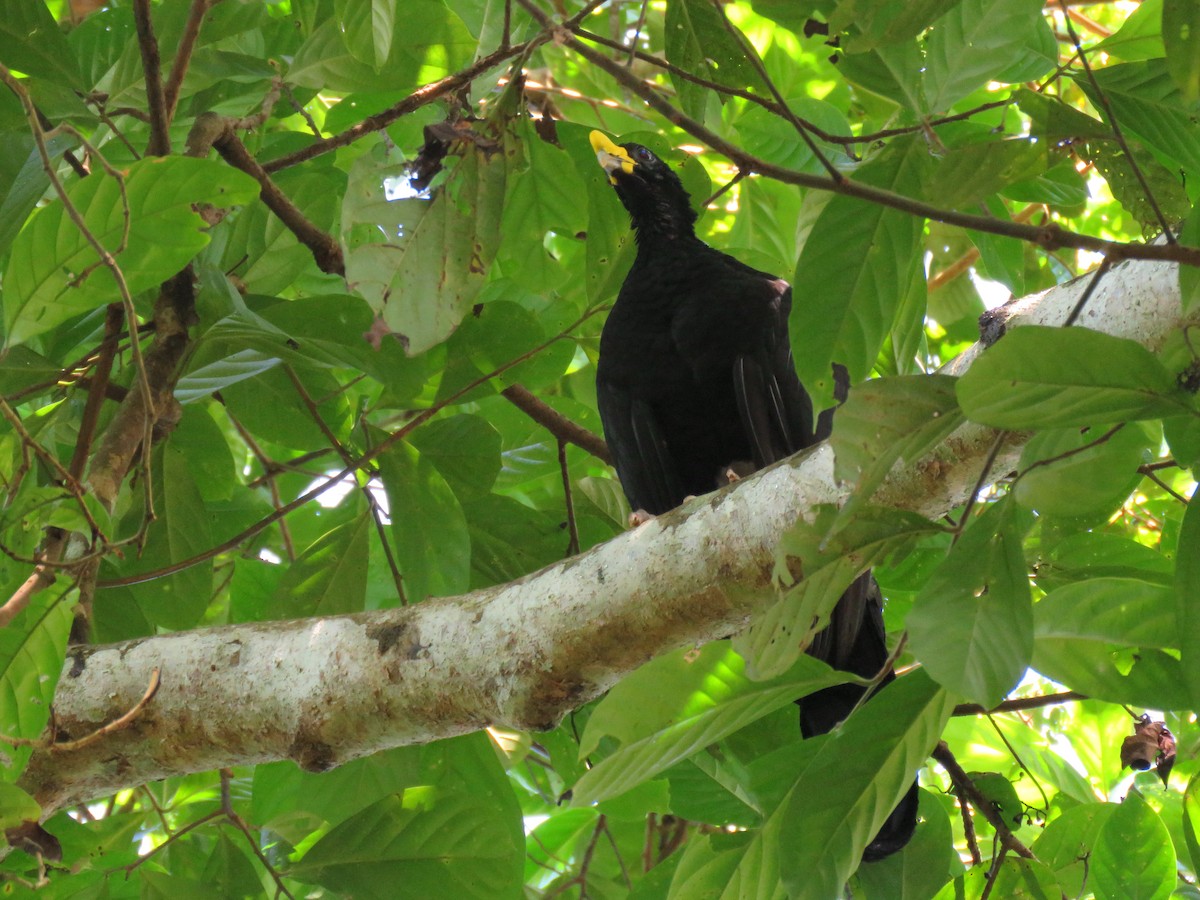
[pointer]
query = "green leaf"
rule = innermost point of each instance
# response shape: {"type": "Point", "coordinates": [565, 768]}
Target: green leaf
{"type": "Point", "coordinates": [923, 866]}
{"type": "Point", "coordinates": [180, 531]}
{"type": "Point", "coordinates": [1189, 276]}
{"type": "Point", "coordinates": [428, 42]}
{"type": "Point", "coordinates": [975, 42]}
{"type": "Point", "coordinates": [972, 624]}
{"type": "Point", "coordinates": [696, 40]}
{"type": "Point", "coordinates": [886, 420]}
{"type": "Point", "coordinates": [1067, 843]}
{"type": "Point", "coordinates": [854, 781]}
{"type": "Point", "coordinates": [1187, 589]}
{"type": "Point", "coordinates": [1076, 472]}
{"type": "Point", "coordinates": [366, 27]}
{"type": "Point", "coordinates": [16, 806]}
{"type": "Point", "coordinates": [465, 450]}
{"type": "Point", "coordinates": [329, 577]}
{"type": "Point", "coordinates": [23, 179]}
{"type": "Point", "coordinates": [886, 22]}
{"type": "Point", "coordinates": [1038, 377]}
{"type": "Point", "coordinates": [1134, 858]}
{"type": "Point", "coordinates": [773, 138]}
{"type": "Point", "coordinates": [827, 563]}
{"type": "Point", "coordinates": [677, 705]}
{"type": "Point", "coordinates": [966, 175]}
{"type": "Point", "coordinates": [426, 841]}
{"type": "Point", "coordinates": [55, 274]}
{"type": "Point", "coordinates": [1181, 38]}
{"type": "Point", "coordinates": [1147, 103]}
{"type": "Point", "coordinates": [1191, 812]}
{"type": "Point", "coordinates": [425, 278]}
{"type": "Point", "coordinates": [433, 545]}
{"type": "Point", "coordinates": [31, 42]}
{"type": "Point", "coordinates": [853, 272]}
{"type": "Point", "coordinates": [1109, 638]}
{"type": "Point", "coordinates": [32, 648]}
{"type": "Point", "coordinates": [1139, 37]}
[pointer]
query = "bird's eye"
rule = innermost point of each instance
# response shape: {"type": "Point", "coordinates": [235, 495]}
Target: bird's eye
{"type": "Point", "coordinates": [643, 154]}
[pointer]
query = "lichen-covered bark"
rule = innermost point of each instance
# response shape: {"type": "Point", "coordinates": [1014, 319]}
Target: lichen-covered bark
{"type": "Point", "coordinates": [324, 691]}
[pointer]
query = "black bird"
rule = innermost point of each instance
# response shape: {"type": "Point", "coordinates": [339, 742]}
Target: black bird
{"type": "Point", "coordinates": [696, 387]}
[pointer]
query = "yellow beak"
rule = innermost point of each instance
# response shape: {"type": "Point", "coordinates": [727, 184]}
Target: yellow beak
{"type": "Point", "coordinates": [611, 156]}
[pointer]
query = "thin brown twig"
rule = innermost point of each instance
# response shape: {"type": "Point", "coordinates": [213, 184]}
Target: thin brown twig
{"type": "Point", "coordinates": [772, 106]}
{"type": "Point", "coordinates": [1020, 762]}
{"type": "Point", "coordinates": [984, 474]}
{"type": "Point", "coordinates": [160, 138]}
{"type": "Point", "coordinates": [572, 526]}
{"type": "Point", "coordinates": [969, 832]}
{"type": "Point", "coordinates": [1067, 454]}
{"type": "Point", "coordinates": [183, 56]}
{"type": "Point", "coordinates": [117, 724]}
{"type": "Point", "coordinates": [556, 423]}
{"type": "Point", "coordinates": [1020, 704]}
{"type": "Point", "coordinates": [113, 318]}
{"type": "Point", "coordinates": [1094, 282]}
{"type": "Point", "coordinates": [1162, 484]}
{"type": "Point", "coordinates": [243, 826]}
{"type": "Point", "coordinates": [41, 578]}
{"type": "Point", "coordinates": [967, 791]}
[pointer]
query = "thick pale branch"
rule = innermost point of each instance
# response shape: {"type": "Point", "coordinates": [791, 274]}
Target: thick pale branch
{"type": "Point", "coordinates": [324, 691]}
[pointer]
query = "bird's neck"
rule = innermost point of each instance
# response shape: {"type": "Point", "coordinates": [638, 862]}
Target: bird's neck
{"type": "Point", "coordinates": [669, 237]}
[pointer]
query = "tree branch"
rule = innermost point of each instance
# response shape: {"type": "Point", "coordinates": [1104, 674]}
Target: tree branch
{"type": "Point", "coordinates": [325, 691]}
{"type": "Point", "coordinates": [1049, 236]}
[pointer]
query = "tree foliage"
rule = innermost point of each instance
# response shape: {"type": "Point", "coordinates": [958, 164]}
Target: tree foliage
{"type": "Point", "coordinates": [301, 305]}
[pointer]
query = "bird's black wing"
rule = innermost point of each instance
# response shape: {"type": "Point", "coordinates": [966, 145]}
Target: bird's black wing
{"type": "Point", "coordinates": [775, 410]}
{"type": "Point", "coordinates": [644, 465]}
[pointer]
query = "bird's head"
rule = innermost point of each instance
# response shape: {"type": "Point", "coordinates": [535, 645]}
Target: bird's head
{"type": "Point", "coordinates": [657, 202]}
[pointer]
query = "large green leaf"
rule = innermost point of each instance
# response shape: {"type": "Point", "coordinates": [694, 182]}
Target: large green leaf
{"type": "Point", "coordinates": [32, 647]}
{"type": "Point", "coordinates": [1148, 104]}
{"type": "Point", "coordinates": [1187, 589]}
{"type": "Point", "coordinates": [696, 40]}
{"type": "Point", "coordinates": [433, 545]}
{"type": "Point", "coordinates": [886, 420]}
{"type": "Point", "coordinates": [55, 274]}
{"type": "Point", "coordinates": [366, 27]}
{"type": "Point", "coordinates": [826, 563]}
{"type": "Point", "coordinates": [425, 277]}
{"type": "Point", "coordinates": [972, 624]}
{"type": "Point", "coordinates": [1181, 38]}
{"type": "Point", "coordinates": [437, 839]}
{"type": "Point", "coordinates": [1112, 638]}
{"type": "Point", "coordinates": [180, 531]}
{"type": "Point", "coordinates": [1073, 472]}
{"type": "Point", "coordinates": [31, 42]}
{"type": "Point", "coordinates": [1134, 858]}
{"type": "Point", "coordinates": [677, 705]}
{"type": "Point", "coordinates": [886, 22]}
{"type": "Point", "coordinates": [329, 577]}
{"type": "Point", "coordinates": [975, 42]}
{"type": "Point", "coordinates": [854, 781]}
{"type": "Point", "coordinates": [1038, 377]}
{"type": "Point", "coordinates": [853, 272]}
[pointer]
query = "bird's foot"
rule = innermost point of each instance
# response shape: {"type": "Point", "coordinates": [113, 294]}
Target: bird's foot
{"type": "Point", "coordinates": [639, 517]}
